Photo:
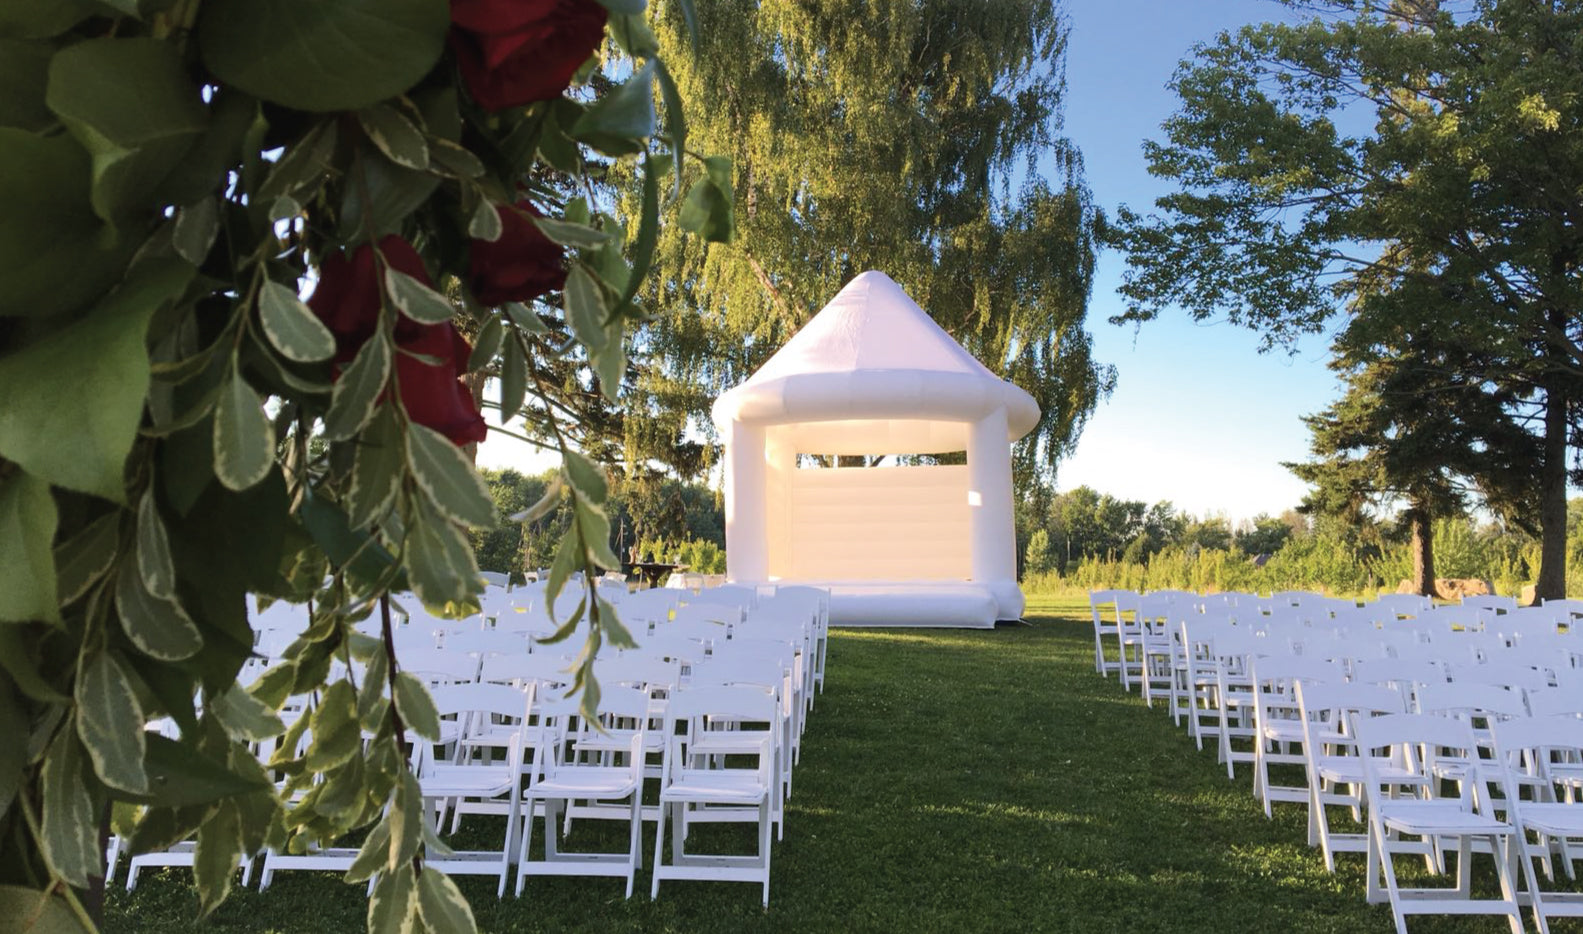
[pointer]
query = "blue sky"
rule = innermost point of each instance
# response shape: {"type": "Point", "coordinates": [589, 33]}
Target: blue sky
{"type": "Point", "coordinates": [1199, 417]}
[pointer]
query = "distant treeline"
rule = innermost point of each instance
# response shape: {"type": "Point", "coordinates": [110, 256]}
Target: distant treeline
{"type": "Point", "coordinates": [1089, 540]}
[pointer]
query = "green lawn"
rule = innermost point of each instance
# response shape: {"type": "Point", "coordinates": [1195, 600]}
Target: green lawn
{"type": "Point", "coordinates": [950, 781]}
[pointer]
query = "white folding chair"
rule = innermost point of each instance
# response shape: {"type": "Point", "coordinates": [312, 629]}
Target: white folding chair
{"type": "Point", "coordinates": [816, 601]}
{"type": "Point", "coordinates": [609, 783]}
{"type": "Point", "coordinates": [1102, 604]}
{"type": "Point", "coordinates": [725, 786]}
{"type": "Point", "coordinates": [467, 779]}
{"type": "Point", "coordinates": [1410, 740]}
{"type": "Point", "coordinates": [1279, 730]}
{"type": "Point", "coordinates": [1231, 652]}
{"type": "Point", "coordinates": [1538, 756]}
{"type": "Point", "coordinates": [1335, 773]}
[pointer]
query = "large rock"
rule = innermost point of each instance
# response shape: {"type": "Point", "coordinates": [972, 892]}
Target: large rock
{"type": "Point", "coordinates": [1453, 588]}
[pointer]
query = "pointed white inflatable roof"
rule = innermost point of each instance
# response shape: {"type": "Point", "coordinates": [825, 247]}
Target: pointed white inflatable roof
{"type": "Point", "coordinates": [869, 359]}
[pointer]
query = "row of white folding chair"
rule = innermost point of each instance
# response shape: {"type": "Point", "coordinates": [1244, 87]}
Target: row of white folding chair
{"type": "Point", "coordinates": [1317, 786]}
{"type": "Point", "coordinates": [1276, 718]}
{"type": "Point", "coordinates": [1328, 712]}
{"type": "Point", "coordinates": [561, 775]}
{"type": "Point", "coordinates": [1297, 703]}
{"type": "Point", "coordinates": [1115, 614]}
{"type": "Point", "coordinates": [1493, 812]}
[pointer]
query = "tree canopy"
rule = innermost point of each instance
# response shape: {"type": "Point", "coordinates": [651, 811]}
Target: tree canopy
{"type": "Point", "coordinates": [919, 138]}
{"type": "Point", "coordinates": [1417, 161]}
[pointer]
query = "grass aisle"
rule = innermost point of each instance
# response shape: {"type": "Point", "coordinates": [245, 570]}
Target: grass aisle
{"type": "Point", "coordinates": [950, 781]}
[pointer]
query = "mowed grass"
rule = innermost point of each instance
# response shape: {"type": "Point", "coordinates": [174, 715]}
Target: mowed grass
{"type": "Point", "coordinates": [950, 781]}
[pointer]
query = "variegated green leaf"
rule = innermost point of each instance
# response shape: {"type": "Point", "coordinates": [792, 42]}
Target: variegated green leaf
{"type": "Point", "coordinates": [448, 477]}
{"type": "Point", "coordinates": [406, 821]}
{"type": "Point", "coordinates": [567, 233]}
{"type": "Point", "coordinates": [416, 300]}
{"type": "Point", "coordinates": [587, 477]}
{"type": "Point", "coordinates": [376, 470]}
{"type": "Point", "coordinates": [485, 222]}
{"type": "Point", "coordinates": [215, 858]}
{"type": "Point", "coordinates": [396, 136]}
{"type": "Point", "coordinates": [371, 857]}
{"type": "Point", "coordinates": [110, 722]}
{"type": "Point", "coordinates": [291, 326]}
{"type": "Point", "coordinates": [417, 707]}
{"type": "Point", "coordinates": [244, 716]}
{"type": "Point", "coordinates": [244, 437]}
{"type": "Point", "coordinates": [159, 627]}
{"type": "Point", "coordinates": [197, 225]}
{"type": "Point", "coordinates": [153, 549]}
{"type": "Point", "coordinates": [70, 831]}
{"type": "Point", "coordinates": [84, 558]}
{"type": "Point", "coordinates": [439, 560]}
{"type": "Point", "coordinates": [393, 904]}
{"type": "Point", "coordinates": [442, 905]}
{"type": "Point", "coordinates": [336, 734]}
{"type": "Point", "coordinates": [359, 387]}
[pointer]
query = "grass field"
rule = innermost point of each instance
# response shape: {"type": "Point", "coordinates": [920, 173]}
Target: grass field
{"type": "Point", "coordinates": [950, 781]}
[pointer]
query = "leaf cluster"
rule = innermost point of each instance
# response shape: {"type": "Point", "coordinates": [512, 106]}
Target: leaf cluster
{"type": "Point", "coordinates": [184, 439]}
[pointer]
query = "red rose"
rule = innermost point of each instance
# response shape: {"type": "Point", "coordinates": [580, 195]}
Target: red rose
{"type": "Point", "coordinates": [348, 295]}
{"type": "Point", "coordinates": [347, 300]}
{"type": "Point", "coordinates": [520, 265]}
{"type": "Point", "coordinates": [434, 395]}
{"type": "Point", "coordinates": [515, 52]}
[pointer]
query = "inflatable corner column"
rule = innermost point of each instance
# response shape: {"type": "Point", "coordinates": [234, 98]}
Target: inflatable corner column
{"type": "Point", "coordinates": [994, 537]}
{"type": "Point", "coordinates": [747, 545]}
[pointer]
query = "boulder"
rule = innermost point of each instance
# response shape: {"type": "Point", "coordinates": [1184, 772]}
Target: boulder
{"type": "Point", "coordinates": [1455, 588]}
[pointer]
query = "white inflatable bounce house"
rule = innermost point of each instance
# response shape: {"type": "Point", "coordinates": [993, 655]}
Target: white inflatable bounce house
{"type": "Point", "coordinates": [873, 374]}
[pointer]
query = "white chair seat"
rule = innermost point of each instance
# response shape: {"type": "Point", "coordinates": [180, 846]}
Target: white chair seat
{"type": "Point", "coordinates": [1348, 770]}
{"type": "Point", "coordinates": [1554, 819]}
{"type": "Point", "coordinates": [1424, 818]}
{"type": "Point", "coordinates": [716, 789]}
{"type": "Point", "coordinates": [585, 782]}
{"type": "Point", "coordinates": [453, 781]}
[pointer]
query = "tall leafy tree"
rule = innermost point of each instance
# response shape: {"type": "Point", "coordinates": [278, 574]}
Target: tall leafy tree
{"type": "Point", "coordinates": [919, 138]}
{"type": "Point", "coordinates": [1461, 176]}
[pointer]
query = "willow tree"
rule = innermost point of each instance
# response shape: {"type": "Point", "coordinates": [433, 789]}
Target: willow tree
{"type": "Point", "coordinates": [919, 138]}
{"type": "Point", "coordinates": [1464, 174]}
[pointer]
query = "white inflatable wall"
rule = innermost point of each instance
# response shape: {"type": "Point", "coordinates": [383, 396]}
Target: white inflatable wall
{"type": "Point", "coordinates": [876, 523]}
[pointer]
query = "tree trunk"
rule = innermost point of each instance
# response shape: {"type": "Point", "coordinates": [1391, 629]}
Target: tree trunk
{"type": "Point", "coordinates": [1552, 582]}
{"type": "Point", "coordinates": [1423, 551]}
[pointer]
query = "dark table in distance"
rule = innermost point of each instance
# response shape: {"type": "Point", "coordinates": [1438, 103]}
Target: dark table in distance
{"type": "Point", "coordinates": [652, 573]}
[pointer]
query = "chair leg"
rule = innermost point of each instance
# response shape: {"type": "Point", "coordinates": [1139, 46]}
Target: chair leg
{"type": "Point", "coordinates": [659, 853]}
{"type": "Point", "coordinates": [527, 842]}
{"type": "Point", "coordinates": [764, 846]}
{"type": "Point", "coordinates": [635, 842]}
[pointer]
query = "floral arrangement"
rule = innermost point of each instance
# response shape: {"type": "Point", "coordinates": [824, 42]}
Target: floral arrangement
{"type": "Point", "coordinates": [182, 434]}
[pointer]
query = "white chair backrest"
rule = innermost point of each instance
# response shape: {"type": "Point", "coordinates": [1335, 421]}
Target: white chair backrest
{"type": "Point", "coordinates": [487, 642]}
{"type": "Point", "coordinates": [693, 611]}
{"type": "Point", "coordinates": [542, 669]}
{"type": "Point", "coordinates": [1490, 601]}
{"type": "Point", "coordinates": [1401, 604]}
{"type": "Point", "coordinates": [438, 666]}
{"type": "Point", "coordinates": [1464, 701]}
